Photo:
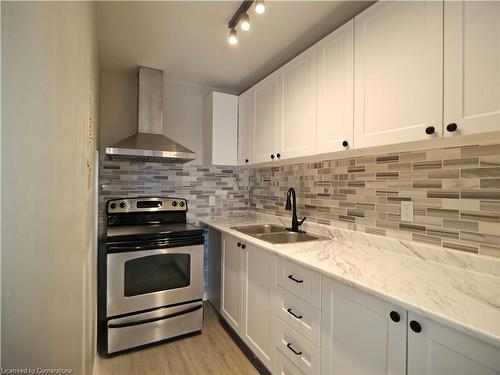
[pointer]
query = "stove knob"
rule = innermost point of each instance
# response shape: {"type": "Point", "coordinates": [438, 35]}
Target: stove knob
{"type": "Point", "coordinates": [174, 203]}
{"type": "Point", "coordinates": [122, 205]}
{"type": "Point", "coordinates": [182, 204]}
{"type": "Point", "coordinates": [113, 206]}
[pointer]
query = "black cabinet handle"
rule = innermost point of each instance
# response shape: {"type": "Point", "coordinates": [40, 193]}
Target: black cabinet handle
{"type": "Point", "coordinates": [238, 244]}
{"type": "Point", "coordinates": [430, 130]}
{"type": "Point", "coordinates": [295, 315]}
{"type": "Point", "coordinates": [278, 155]}
{"type": "Point", "coordinates": [289, 346]}
{"type": "Point", "coordinates": [415, 326]}
{"type": "Point", "coordinates": [272, 156]}
{"type": "Point", "coordinates": [345, 143]}
{"type": "Point", "coordinates": [395, 316]}
{"type": "Point", "coordinates": [243, 246]}
{"type": "Point", "coordinates": [246, 160]}
{"type": "Point", "coordinates": [451, 127]}
{"type": "Point", "coordinates": [294, 279]}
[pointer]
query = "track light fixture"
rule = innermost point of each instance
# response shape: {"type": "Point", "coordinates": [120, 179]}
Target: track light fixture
{"type": "Point", "coordinates": [242, 18]}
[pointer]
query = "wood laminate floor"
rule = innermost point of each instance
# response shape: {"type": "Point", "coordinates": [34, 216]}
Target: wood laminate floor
{"type": "Point", "coordinates": [212, 352]}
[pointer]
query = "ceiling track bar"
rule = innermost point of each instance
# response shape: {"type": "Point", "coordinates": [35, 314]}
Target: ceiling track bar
{"type": "Point", "coordinates": [241, 11]}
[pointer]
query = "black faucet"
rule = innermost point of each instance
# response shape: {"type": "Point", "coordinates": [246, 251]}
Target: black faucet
{"type": "Point", "coordinates": [290, 195]}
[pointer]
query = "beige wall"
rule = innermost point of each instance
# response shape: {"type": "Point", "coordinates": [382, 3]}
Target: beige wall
{"type": "Point", "coordinates": [49, 89]}
{"type": "Point", "coordinates": [182, 115]}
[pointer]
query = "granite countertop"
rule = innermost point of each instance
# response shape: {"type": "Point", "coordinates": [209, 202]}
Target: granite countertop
{"type": "Point", "coordinates": [461, 291]}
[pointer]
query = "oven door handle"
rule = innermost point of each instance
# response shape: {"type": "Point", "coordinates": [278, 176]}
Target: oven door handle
{"type": "Point", "coordinates": [150, 320]}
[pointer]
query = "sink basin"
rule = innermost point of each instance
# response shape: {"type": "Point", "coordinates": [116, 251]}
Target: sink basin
{"type": "Point", "coordinates": [275, 234]}
{"type": "Point", "coordinates": [288, 237]}
{"type": "Point", "coordinates": [259, 229]}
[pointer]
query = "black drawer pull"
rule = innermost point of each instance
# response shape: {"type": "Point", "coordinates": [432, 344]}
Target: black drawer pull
{"type": "Point", "coordinates": [395, 316]}
{"type": "Point", "coordinates": [294, 279]}
{"type": "Point", "coordinates": [238, 244]}
{"type": "Point", "coordinates": [243, 246]}
{"type": "Point", "coordinates": [291, 313]}
{"type": "Point", "coordinates": [289, 346]}
{"type": "Point", "coordinates": [430, 130]}
{"type": "Point", "coordinates": [451, 127]}
{"type": "Point", "coordinates": [415, 326]}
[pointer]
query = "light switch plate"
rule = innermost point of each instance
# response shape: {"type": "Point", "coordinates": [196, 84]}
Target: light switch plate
{"type": "Point", "coordinates": [406, 210]}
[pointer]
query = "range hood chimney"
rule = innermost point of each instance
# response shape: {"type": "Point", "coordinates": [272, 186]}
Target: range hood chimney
{"type": "Point", "coordinates": [149, 144]}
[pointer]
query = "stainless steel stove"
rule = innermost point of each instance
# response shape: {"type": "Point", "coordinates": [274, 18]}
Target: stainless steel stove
{"type": "Point", "coordinates": [150, 273]}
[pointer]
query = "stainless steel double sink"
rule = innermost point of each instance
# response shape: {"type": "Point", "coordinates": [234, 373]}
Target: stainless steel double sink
{"type": "Point", "coordinates": [275, 234]}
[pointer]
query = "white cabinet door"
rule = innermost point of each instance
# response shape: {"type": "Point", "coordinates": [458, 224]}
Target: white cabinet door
{"type": "Point", "coordinates": [358, 334]}
{"type": "Point", "coordinates": [335, 85]}
{"type": "Point", "coordinates": [259, 283]}
{"type": "Point", "coordinates": [265, 119]}
{"type": "Point", "coordinates": [244, 127]}
{"type": "Point", "coordinates": [220, 129]}
{"type": "Point", "coordinates": [439, 350]}
{"type": "Point", "coordinates": [232, 283]}
{"type": "Point", "coordinates": [297, 106]}
{"type": "Point", "coordinates": [398, 70]}
{"type": "Point", "coordinates": [471, 66]}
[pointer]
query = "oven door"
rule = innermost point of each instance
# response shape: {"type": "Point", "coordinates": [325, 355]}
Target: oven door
{"type": "Point", "coordinates": [147, 279]}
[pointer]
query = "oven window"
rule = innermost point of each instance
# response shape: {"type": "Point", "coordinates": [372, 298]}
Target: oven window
{"type": "Point", "coordinates": [156, 273]}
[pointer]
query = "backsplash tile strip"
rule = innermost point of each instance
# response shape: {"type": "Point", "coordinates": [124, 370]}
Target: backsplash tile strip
{"type": "Point", "coordinates": [453, 191]}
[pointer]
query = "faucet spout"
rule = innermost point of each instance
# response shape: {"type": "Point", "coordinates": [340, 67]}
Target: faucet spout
{"type": "Point", "coordinates": [291, 204]}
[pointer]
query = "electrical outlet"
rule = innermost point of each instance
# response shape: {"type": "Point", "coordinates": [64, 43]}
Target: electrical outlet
{"type": "Point", "coordinates": [211, 200]}
{"type": "Point", "coordinates": [406, 210]}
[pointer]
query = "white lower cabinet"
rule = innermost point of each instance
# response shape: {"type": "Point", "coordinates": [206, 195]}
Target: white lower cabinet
{"type": "Point", "coordinates": [258, 291]}
{"type": "Point", "coordinates": [248, 280]}
{"type": "Point", "coordinates": [286, 367]}
{"type": "Point", "coordinates": [298, 322]}
{"type": "Point", "coordinates": [358, 334]}
{"type": "Point", "coordinates": [231, 296]}
{"type": "Point", "coordinates": [296, 348]}
{"type": "Point", "coordinates": [298, 314]}
{"type": "Point", "coordinates": [434, 349]}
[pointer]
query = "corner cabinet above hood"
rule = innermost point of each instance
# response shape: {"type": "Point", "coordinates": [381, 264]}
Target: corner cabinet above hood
{"type": "Point", "coordinates": [149, 144]}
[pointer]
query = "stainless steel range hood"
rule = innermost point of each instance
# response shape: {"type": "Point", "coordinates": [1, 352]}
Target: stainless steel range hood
{"type": "Point", "coordinates": [149, 143]}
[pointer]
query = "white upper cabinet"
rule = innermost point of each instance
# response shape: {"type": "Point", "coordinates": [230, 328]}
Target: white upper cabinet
{"type": "Point", "coordinates": [434, 349]}
{"type": "Point", "coordinates": [244, 127]}
{"type": "Point", "coordinates": [297, 106]}
{"type": "Point", "coordinates": [220, 129]}
{"type": "Point", "coordinates": [398, 72]}
{"type": "Point", "coordinates": [361, 334]}
{"type": "Point", "coordinates": [471, 67]}
{"type": "Point", "coordinates": [265, 119]}
{"type": "Point", "coordinates": [335, 84]}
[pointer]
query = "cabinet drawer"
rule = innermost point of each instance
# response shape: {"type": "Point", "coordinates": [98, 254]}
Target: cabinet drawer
{"type": "Point", "coordinates": [296, 348]}
{"type": "Point", "coordinates": [298, 314]}
{"type": "Point", "coordinates": [286, 367]}
{"type": "Point", "coordinates": [301, 281]}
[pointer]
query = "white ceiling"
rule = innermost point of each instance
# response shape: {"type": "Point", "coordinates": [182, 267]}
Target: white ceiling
{"type": "Point", "coordinates": [188, 39]}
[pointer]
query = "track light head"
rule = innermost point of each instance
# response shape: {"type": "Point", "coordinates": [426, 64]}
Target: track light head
{"type": "Point", "coordinates": [245, 22]}
{"type": "Point", "coordinates": [260, 7]}
{"type": "Point", "coordinates": [233, 38]}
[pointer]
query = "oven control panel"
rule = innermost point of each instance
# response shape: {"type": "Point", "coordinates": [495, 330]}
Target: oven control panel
{"type": "Point", "coordinates": [146, 204]}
